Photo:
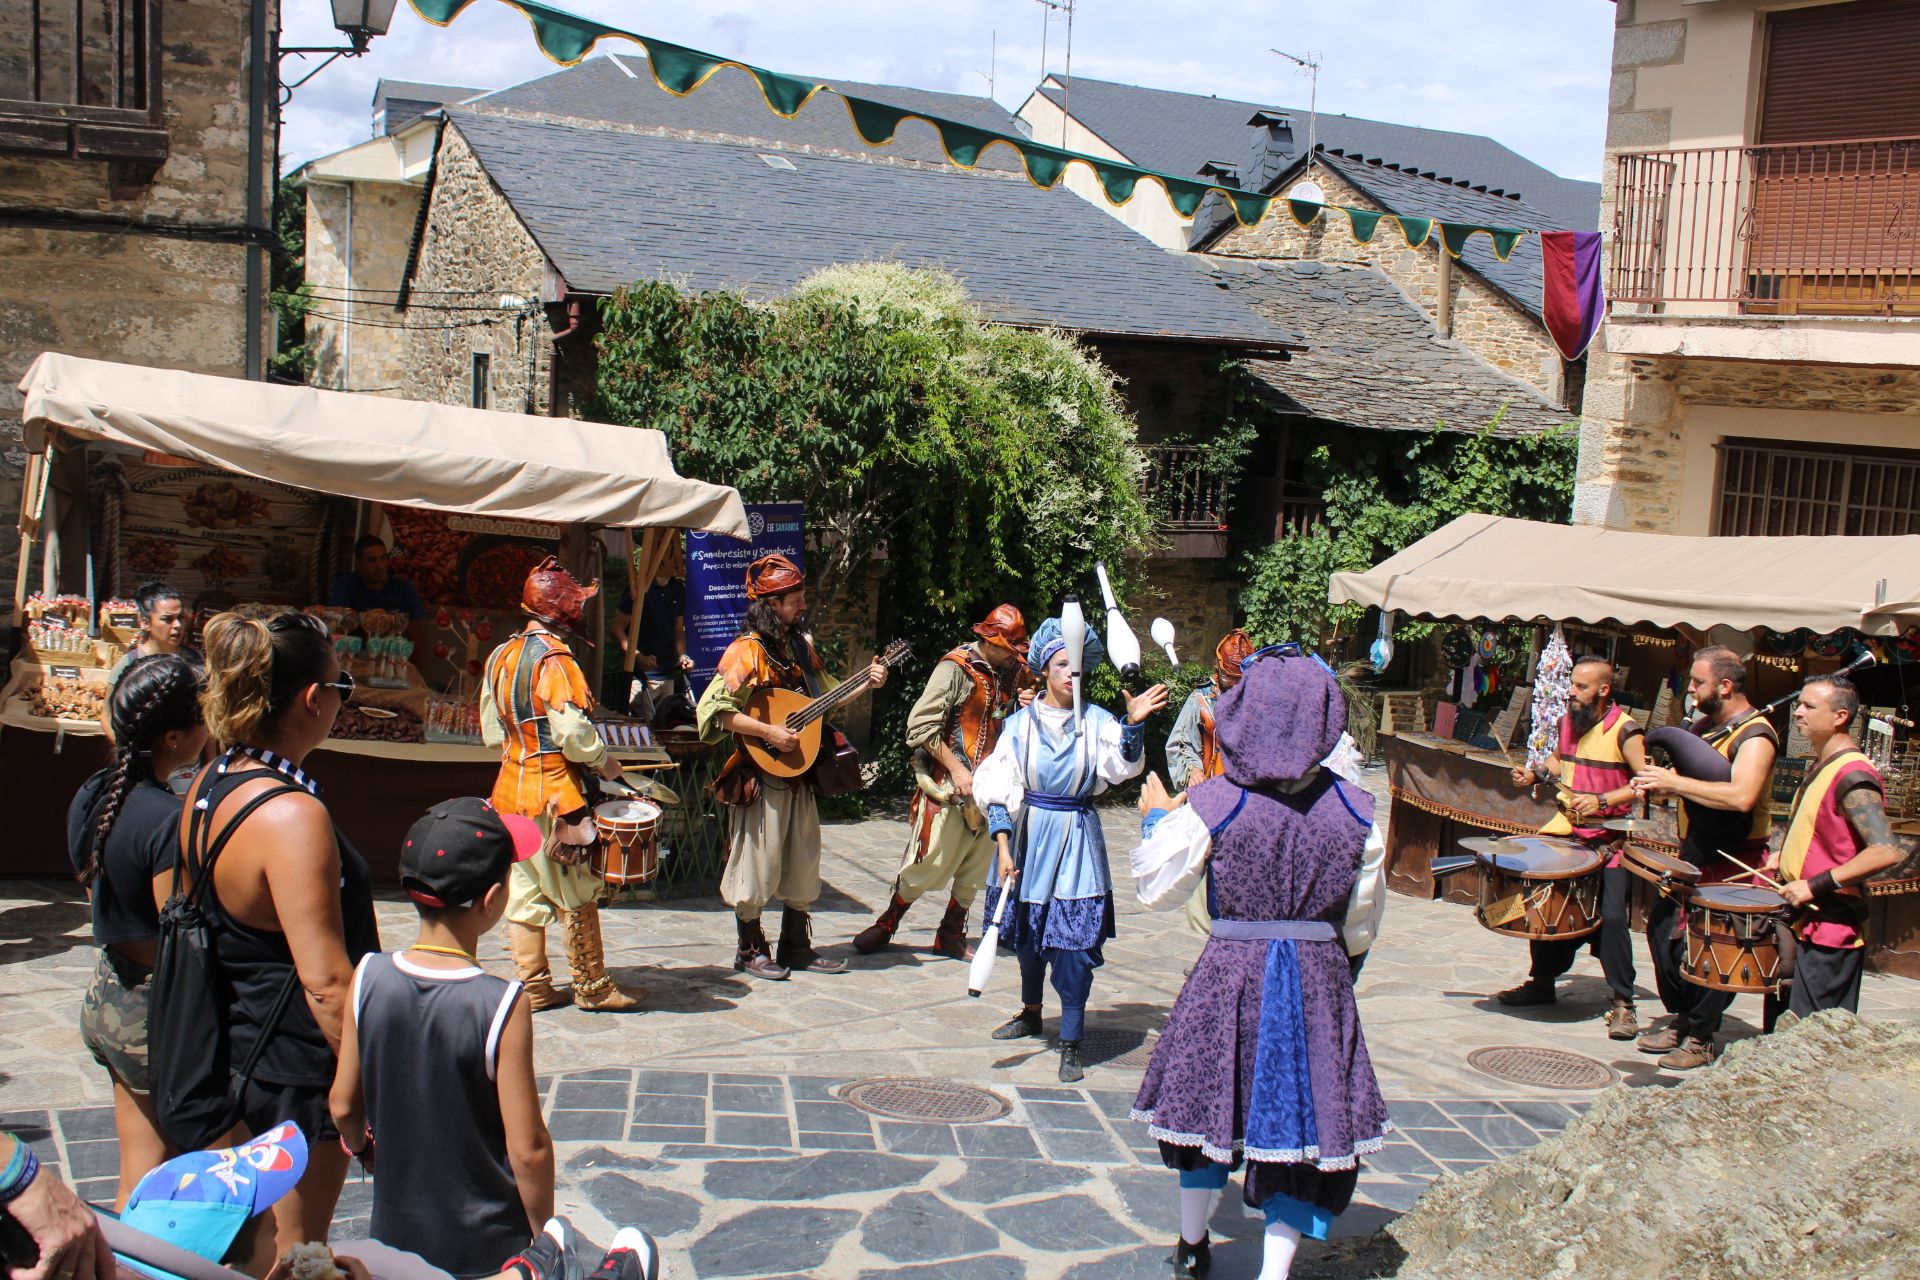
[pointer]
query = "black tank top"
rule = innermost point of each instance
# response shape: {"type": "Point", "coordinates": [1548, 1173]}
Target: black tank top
{"type": "Point", "coordinates": [257, 963]}
{"type": "Point", "coordinates": [429, 1049]}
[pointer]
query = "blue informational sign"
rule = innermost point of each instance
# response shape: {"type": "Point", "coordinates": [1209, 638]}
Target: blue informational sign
{"type": "Point", "coordinates": [717, 579]}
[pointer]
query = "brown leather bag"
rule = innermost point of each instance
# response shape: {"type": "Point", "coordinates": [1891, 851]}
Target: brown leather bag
{"type": "Point", "coordinates": [738, 784]}
{"type": "Point", "coordinates": [836, 770]}
{"type": "Point", "coordinates": [570, 843]}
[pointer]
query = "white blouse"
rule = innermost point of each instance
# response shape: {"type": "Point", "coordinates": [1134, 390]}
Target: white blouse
{"type": "Point", "coordinates": [1001, 780]}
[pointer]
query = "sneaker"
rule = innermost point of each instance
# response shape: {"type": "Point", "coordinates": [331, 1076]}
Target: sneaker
{"type": "Point", "coordinates": [1692, 1053]}
{"type": "Point", "coordinates": [632, 1256]}
{"type": "Point", "coordinates": [1527, 993]}
{"type": "Point", "coordinates": [554, 1254]}
{"type": "Point", "coordinates": [1020, 1026]}
{"type": "Point", "coordinates": [1666, 1039]}
{"type": "Point", "coordinates": [1191, 1261]}
{"type": "Point", "coordinates": [1072, 1070]}
{"type": "Point", "coordinates": [1623, 1021]}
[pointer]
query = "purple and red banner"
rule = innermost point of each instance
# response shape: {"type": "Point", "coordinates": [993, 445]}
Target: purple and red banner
{"type": "Point", "coordinates": [1574, 303]}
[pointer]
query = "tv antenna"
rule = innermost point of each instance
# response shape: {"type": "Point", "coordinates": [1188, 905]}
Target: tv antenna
{"type": "Point", "coordinates": [993, 62]}
{"type": "Point", "coordinates": [1048, 9]}
{"type": "Point", "coordinates": [1311, 65]}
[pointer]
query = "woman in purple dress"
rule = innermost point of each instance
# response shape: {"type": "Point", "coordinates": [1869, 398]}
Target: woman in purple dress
{"type": "Point", "coordinates": [1262, 1059]}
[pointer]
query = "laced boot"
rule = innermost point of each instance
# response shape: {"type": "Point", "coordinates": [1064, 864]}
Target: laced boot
{"type": "Point", "coordinates": [1666, 1039]}
{"type": "Point", "coordinates": [878, 934]}
{"type": "Point", "coordinates": [753, 956]}
{"type": "Point", "coordinates": [593, 989]}
{"type": "Point", "coordinates": [796, 951]}
{"type": "Point", "coordinates": [951, 937]}
{"type": "Point", "coordinates": [528, 944]}
{"type": "Point", "coordinates": [1072, 1069]}
{"type": "Point", "coordinates": [1021, 1026]}
{"type": "Point", "coordinates": [1623, 1021]}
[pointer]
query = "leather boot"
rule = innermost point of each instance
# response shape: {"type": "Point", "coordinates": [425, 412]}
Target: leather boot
{"type": "Point", "coordinates": [528, 944]}
{"type": "Point", "coordinates": [1623, 1021]}
{"type": "Point", "coordinates": [1666, 1039]}
{"type": "Point", "coordinates": [950, 939]}
{"type": "Point", "coordinates": [593, 989]}
{"type": "Point", "coordinates": [752, 956]}
{"type": "Point", "coordinates": [1072, 1070]}
{"type": "Point", "coordinates": [796, 951]}
{"type": "Point", "coordinates": [881, 931]}
{"type": "Point", "coordinates": [1530, 992]}
{"type": "Point", "coordinates": [1192, 1261]}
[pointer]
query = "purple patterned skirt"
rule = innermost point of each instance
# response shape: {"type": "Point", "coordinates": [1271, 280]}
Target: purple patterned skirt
{"type": "Point", "coordinates": [1263, 1059]}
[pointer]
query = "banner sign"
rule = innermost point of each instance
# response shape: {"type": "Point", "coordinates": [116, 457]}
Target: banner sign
{"type": "Point", "coordinates": [717, 579]}
{"type": "Point", "coordinates": [201, 529]}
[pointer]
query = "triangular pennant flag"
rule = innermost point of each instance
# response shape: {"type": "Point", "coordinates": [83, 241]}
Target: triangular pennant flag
{"type": "Point", "coordinates": [785, 94]}
{"type": "Point", "coordinates": [1185, 194]}
{"type": "Point", "coordinates": [875, 122]}
{"type": "Point", "coordinates": [963, 142]}
{"type": "Point", "coordinates": [1453, 235]}
{"type": "Point", "coordinates": [1364, 222]}
{"type": "Point", "coordinates": [1304, 211]}
{"type": "Point", "coordinates": [1117, 181]}
{"type": "Point", "coordinates": [1044, 164]}
{"type": "Point", "coordinates": [1504, 239]}
{"type": "Point", "coordinates": [439, 12]}
{"type": "Point", "coordinates": [678, 69]}
{"type": "Point", "coordinates": [562, 36]}
{"type": "Point", "coordinates": [1415, 231]}
{"type": "Point", "coordinates": [1249, 208]}
{"type": "Point", "coordinates": [1572, 299]}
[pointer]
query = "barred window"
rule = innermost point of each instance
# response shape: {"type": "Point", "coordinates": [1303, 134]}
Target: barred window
{"type": "Point", "coordinates": [82, 78]}
{"type": "Point", "coordinates": [1770, 488]}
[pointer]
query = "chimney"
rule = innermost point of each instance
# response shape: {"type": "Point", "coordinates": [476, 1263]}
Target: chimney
{"type": "Point", "coordinates": [1270, 150]}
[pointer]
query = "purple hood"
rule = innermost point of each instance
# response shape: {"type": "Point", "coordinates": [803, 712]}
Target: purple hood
{"type": "Point", "coordinates": [1280, 721]}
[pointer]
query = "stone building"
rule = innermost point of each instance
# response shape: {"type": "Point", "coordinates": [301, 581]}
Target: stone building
{"type": "Point", "coordinates": [136, 179]}
{"type": "Point", "coordinates": [1759, 371]}
{"type": "Point", "coordinates": [542, 198]}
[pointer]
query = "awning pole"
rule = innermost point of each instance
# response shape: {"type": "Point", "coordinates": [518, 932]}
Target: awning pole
{"type": "Point", "coordinates": [637, 601]}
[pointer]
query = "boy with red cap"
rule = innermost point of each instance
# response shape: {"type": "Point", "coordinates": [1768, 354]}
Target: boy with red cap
{"type": "Point", "coordinates": [951, 730]}
{"type": "Point", "coordinates": [776, 830]}
{"type": "Point", "coordinates": [534, 706]}
{"type": "Point", "coordinates": [436, 1058]}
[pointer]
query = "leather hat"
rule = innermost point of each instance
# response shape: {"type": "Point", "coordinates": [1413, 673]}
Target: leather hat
{"type": "Point", "coordinates": [1005, 625]}
{"type": "Point", "coordinates": [1229, 654]}
{"type": "Point", "coordinates": [773, 575]}
{"type": "Point", "coordinates": [555, 596]}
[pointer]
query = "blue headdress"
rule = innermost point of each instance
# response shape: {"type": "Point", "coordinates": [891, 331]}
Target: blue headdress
{"type": "Point", "coordinates": [1049, 640]}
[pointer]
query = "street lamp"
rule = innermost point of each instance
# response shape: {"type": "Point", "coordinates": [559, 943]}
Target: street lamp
{"type": "Point", "coordinates": [359, 21]}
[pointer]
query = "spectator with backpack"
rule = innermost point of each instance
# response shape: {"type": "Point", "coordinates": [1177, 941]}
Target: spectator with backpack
{"type": "Point", "coordinates": [123, 834]}
{"type": "Point", "coordinates": [436, 1065]}
{"type": "Point", "coordinates": [276, 906]}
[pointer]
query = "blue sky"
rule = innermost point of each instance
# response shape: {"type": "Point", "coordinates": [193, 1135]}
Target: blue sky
{"type": "Point", "coordinates": [1535, 77]}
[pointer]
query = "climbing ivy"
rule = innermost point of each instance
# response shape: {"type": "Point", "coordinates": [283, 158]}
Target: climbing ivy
{"type": "Point", "coordinates": [1386, 491]}
{"type": "Point", "coordinates": [984, 463]}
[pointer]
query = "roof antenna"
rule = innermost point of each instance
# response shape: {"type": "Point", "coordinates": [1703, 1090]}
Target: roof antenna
{"type": "Point", "coordinates": [1311, 65]}
{"type": "Point", "coordinates": [993, 62]}
{"type": "Point", "coordinates": [1066, 95]}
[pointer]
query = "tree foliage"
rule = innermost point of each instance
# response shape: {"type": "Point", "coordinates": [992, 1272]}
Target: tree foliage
{"type": "Point", "coordinates": [1385, 492]}
{"type": "Point", "coordinates": [985, 463]}
{"type": "Point", "coordinates": [291, 295]}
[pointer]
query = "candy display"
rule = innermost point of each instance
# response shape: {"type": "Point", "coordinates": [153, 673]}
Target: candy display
{"type": "Point", "coordinates": [452, 720]}
{"type": "Point", "coordinates": [64, 698]}
{"type": "Point", "coordinates": [377, 724]}
{"type": "Point", "coordinates": [388, 659]}
{"type": "Point", "coordinates": [72, 608]}
{"type": "Point", "coordinates": [53, 639]}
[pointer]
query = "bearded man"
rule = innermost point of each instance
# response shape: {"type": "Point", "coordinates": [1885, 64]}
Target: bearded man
{"type": "Point", "coordinates": [1599, 750]}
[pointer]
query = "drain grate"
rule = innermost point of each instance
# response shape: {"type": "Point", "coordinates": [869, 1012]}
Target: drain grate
{"type": "Point", "coordinates": [1116, 1047]}
{"type": "Point", "coordinates": [1546, 1068]}
{"type": "Point", "coordinates": [939, 1101]}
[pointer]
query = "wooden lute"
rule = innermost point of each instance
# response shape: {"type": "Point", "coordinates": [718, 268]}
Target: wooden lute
{"type": "Point", "coordinates": [805, 716]}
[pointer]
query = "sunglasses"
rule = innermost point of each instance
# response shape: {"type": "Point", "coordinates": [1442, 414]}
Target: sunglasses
{"type": "Point", "coordinates": [1285, 649]}
{"type": "Point", "coordinates": [344, 684]}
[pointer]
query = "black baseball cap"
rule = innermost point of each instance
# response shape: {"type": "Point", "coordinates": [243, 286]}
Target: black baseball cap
{"type": "Point", "coordinates": [461, 848]}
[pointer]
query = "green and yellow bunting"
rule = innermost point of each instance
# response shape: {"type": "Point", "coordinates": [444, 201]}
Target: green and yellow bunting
{"type": "Point", "coordinates": [568, 38]}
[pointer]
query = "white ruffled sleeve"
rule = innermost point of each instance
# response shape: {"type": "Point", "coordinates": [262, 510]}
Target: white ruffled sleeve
{"type": "Point", "coordinates": [1170, 860]}
{"type": "Point", "coordinates": [1122, 749]}
{"type": "Point", "coordinates": [1367, 904]}
{"type": "Point", "coordinates": [997, 783]}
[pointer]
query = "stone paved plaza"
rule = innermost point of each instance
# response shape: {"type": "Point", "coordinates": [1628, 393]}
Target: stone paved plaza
{"type": "Point", "coordinates": [715, 1119]}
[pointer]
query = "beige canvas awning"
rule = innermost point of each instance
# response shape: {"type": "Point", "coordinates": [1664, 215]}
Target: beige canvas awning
{"type": "Point", "coordinates": [1497, 569]}
{"type": "Point", "coordinates": [441, 457]}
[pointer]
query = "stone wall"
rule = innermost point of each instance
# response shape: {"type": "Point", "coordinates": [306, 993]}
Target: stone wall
{"type": "Point", "coordinates": [1197, 596]}
{"type": "Point", "coordinates": [376, 219]}
{"type": "Point", "coordinates": [475, 243]}
{"type": "Point", "coordinates": [1485, 320]}
{"type": "Point", "coordinates": [130, 294]}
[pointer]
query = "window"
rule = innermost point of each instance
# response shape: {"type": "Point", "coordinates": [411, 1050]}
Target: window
{"type": "Point", "coordinates": [82, 78]}
{"type": "Point", "coordinates": [481, 391]}
{"type": "Point", "coordinates": [1769, 488]}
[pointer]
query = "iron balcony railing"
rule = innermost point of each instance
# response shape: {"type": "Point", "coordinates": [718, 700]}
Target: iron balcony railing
{"type": "Point", "coordinates": [1830, 228]}
{"type": "Point", "coordinates": [1188, 498]}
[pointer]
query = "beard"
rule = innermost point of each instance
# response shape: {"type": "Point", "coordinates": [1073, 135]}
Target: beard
{"type": "Point", "coordinates": [1586, 715]}
{"type": "Point", "coordinates": [1709, 707]}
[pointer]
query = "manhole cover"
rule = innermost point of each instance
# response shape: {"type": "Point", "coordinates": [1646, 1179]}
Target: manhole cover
{"type": "Point", "coordinates": [1116, 1047]}
{"type": "Point", "coordinates": [941, 1101]}
{"type": "Point", "coordinates": [1546, 1068]}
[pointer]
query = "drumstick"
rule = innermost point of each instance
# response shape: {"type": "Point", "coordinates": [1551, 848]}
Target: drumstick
{"type": "Point", "coordinates": [1764, 875]}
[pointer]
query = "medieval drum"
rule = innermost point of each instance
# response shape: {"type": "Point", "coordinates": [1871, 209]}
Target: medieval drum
{"type": "Point", "coordinates": [1538, 886]}
{"type": "Point", "coordinates": [1732, 940]}
{"type": "Point", "coordinates": [629, 849]}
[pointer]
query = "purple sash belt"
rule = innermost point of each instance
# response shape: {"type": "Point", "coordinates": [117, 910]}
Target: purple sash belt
{"type": "Point", "coordinates": [1256, 930]}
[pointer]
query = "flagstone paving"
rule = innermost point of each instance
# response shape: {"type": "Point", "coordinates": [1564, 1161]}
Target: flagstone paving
{"type": "Point", "coordinates": [714, 1118]}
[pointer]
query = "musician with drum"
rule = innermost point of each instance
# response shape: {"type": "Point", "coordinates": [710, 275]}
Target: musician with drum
{"type": "Point", "coordinates": [1837, 837]}
{"type": "Point", "coordinates": [1719, 821]}
{"type": "Point", "coordinates": [775, 823]}
{"type": "Point", "coordinates": [534, 706]}
{"type": "Point", "coordinates": [1599, 748]}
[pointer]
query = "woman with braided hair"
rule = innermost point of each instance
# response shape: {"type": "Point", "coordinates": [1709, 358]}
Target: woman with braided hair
{"type": "Point", "coordinates": [123, 834]}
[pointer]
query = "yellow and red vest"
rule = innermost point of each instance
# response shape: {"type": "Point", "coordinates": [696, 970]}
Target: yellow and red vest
{"type": "Point", "coordinates": [1595, 763]}
{"type": "Point", "coordinates": [1760, 821]}
{"type": "Point", "coordinates": [1819, 838]}
{"type": "Point", "coordinates": [528, 675]}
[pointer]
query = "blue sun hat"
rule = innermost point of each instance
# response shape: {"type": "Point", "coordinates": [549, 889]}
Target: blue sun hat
{"type": "Point", "coordinates": [1049, 639]}
{"type": "Point", "coordinates": [199, 1201]}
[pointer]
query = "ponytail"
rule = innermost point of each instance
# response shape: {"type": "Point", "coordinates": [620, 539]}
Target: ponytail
{"type": "Point", "coordinates": [156, 695]}
{"type": "Point", "coordinates": [255, 669]}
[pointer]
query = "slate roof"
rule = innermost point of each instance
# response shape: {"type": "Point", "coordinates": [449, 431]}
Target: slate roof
{"type": "Point", "coordinates": [405, 100]}
{"type": "Point", "coordinates": [620, 89]}
{"type": "Point", "coordinates": [1375, 361]}
{"type": "Point", "coordinates": [1179, 132]}
{"type": "Point", "coordinates": [610, 206]}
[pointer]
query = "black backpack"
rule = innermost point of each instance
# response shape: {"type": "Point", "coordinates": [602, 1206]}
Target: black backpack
{"type": "Point", "coordinates": [196, 1092]}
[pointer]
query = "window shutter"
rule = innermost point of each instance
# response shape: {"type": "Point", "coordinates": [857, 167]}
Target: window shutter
{"type": "Point", "coordinates": [1841, 71]}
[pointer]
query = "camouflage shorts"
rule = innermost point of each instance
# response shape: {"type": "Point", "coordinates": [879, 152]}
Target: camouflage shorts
{"type": "Point", "coordinates": [113, 1019]}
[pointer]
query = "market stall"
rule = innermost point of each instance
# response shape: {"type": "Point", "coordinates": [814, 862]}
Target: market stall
{"type": "Point", "coordinates": [250, 495]}
{"type": "Point", "coordinates": [1796, 606]}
